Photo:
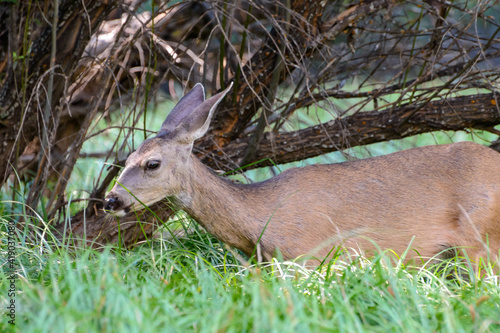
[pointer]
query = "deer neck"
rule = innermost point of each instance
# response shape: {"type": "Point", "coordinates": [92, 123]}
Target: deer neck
{"type": "Point", "coordinates": [229, 211]}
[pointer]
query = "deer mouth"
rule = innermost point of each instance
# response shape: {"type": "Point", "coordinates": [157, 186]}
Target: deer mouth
{"type": "Point", "coordinates": [138, 206]}
{"type": "Point", "coordinates": [127, 209]}
{"type": "Point", "coordinates": [118, 211]}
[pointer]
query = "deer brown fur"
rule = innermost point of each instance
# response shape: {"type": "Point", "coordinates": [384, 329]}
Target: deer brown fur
{"type": "Point", "coordinates": [445, 196]}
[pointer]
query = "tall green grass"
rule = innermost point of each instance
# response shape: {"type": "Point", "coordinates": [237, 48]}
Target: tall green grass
{"type": "Point", "coordinates": [197, 284]}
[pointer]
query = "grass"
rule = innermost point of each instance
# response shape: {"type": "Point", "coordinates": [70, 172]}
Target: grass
{"type": "Point", "coordinates": [200, 286]}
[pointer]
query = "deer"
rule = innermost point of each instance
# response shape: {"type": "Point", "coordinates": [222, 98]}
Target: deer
{"type": "Point", "coordinates": [431, 198]}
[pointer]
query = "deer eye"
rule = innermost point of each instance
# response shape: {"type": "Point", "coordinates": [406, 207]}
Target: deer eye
{"type": "Point", "coordinates": [153, 164]}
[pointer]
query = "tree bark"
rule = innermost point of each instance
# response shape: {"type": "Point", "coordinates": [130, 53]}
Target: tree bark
{"type": "Point", "coordinates": [24, 93]}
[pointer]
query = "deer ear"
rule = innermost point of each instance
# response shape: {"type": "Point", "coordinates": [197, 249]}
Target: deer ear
{"type": "Point", "coordinates": [194, 98]}
{"type": "Point", "coordinates": [192, 117]}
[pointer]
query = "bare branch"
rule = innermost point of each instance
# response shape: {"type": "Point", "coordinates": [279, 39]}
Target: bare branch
{"type": "Point", "coordinates": [460, 113]}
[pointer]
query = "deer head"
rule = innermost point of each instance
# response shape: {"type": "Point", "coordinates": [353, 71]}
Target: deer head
{"type": "Point", "coordinates": [160, 166]}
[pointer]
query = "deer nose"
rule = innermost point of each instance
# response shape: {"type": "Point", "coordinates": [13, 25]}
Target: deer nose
{"type": "Point", "coordinates": [112, 202]}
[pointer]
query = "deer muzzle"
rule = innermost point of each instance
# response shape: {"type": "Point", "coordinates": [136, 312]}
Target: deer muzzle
{"type": "Point", "coordinates": [112, 202]}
